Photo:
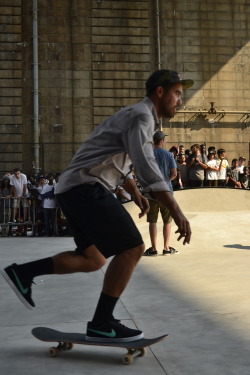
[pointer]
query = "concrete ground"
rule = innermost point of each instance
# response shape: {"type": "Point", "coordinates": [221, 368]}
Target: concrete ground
{"type": "Point", "coordinates": [200, 297]}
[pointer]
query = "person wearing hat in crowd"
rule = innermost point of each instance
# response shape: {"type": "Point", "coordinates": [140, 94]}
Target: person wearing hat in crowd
{"type": "Point", "coordinates": [6, 193]}
{"type": "Point", "coordinates": [212, 169]}
{"type": "Point", "coordinates": [100, 224]}
{"type": "Point", "coordinates": [167, 165]}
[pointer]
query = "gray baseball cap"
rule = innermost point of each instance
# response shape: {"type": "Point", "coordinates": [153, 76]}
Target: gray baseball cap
{"type": "Point", "coordinates": [158, 136]}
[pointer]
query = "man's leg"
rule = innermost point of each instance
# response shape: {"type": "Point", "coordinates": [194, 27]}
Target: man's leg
{"type": "Point", "coordinates": [20, 277]}
{"type": "Point", "coordinates": [116, 279]}
{"type": "Point", "coordinates": [166, 235]}
{"type": "Point", "coordinates": [120, 270]}
{"type": "Point", "coordinates": [153, 235]}
{"type": "Point", "coordinates": [152, 217]}
{"type": "Point", "coordinates": [70, 262]}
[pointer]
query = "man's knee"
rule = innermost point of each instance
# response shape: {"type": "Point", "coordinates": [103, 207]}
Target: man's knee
{"type": "Point", "coordinates": [136, 251]}
{"type": "Point", "coordinates": [95, 264]}
{"type": "Point", "coordinates": [94, 258]}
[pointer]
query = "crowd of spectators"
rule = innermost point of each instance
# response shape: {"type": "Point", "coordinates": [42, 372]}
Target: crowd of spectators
{"type": "Point", "coordinates": [198, 167]}
{"type": "Point", "coordinates": [30, 203]}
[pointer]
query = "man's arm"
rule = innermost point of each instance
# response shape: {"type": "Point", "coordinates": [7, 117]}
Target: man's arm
{"type": "Point", "coordinates": [173, 174]}
{"type": "Point", "coordinates": [24, 190]}
{"type": "Point", "coordinates": [167, 199]}
{"type": "Point", "coordinates": [140, 200]}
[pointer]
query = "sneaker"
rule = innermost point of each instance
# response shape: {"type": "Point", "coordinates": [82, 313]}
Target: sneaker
{"type": "Point", "coordinates": [20, 286]}
{"type": "Point", "coordinates": [112, 332]}
{"type": "Point", "coordinates": [150, 252]}
{"type": "Point", "coordinates": [170, 251]}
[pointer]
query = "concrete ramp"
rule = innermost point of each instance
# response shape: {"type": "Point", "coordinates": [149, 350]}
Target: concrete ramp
{"type": "Point", "coordinates": [213, 199]}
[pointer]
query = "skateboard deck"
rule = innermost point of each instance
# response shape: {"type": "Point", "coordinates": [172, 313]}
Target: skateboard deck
{"type": "Point", "coordinates": [66, 340]}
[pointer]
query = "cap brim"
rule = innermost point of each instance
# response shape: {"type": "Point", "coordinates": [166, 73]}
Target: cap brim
{"type": "Point", "coordinates": [187, 83]}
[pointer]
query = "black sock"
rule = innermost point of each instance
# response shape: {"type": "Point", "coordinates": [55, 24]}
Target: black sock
{"type": "Point", "coordinates": [38, 267]}
{"type": "Point", "coordinates": [104, 309]}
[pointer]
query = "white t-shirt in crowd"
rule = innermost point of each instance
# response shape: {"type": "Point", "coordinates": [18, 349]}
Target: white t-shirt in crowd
{"type": "Point", "coordinates": [212, 175]}
{"type": "Point", "coordinates": [18, 184]}
{"type": "Point", "coordinates": [47, 202]}
{"type": "Point", "coordinates": [222, 173]}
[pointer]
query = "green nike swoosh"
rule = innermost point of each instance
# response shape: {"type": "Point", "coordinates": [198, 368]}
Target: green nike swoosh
{"type": "Point", "coordinates": [22, 289]}
{"type": "Point", "coordinates": [107, 334]}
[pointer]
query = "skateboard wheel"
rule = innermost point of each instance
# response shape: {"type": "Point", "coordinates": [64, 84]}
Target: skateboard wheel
{"type": "Point", "coordinates": [53, 352]}
{"type": "Point", "coordinates": [70, 346]}
{"type": "Point", "coordinates": [143, 352]}
{"type": "Point", "coordinates": [127, 359]}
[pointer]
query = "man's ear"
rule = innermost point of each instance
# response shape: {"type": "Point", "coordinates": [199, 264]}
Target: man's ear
{"type": "Point", "coordinates": [159, 91]}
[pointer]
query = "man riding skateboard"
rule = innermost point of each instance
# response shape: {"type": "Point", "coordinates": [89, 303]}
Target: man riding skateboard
{"type": "Point", "coordinates": [100, 224]}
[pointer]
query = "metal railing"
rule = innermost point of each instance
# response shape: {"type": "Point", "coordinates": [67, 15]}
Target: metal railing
{"type": "Point", "coordinates": [25, 216]}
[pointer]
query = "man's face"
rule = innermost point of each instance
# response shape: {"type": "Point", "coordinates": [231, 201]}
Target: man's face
{"type": "Point", "coordinates": [17, 174]}
{"type": "Point", "coordinates": [194, 149]}
{"type": "Point", "coordinates": [169, 100]}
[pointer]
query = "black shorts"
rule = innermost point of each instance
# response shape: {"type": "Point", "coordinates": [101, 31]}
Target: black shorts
{"type": "Point", "coordinates": [97, 218]}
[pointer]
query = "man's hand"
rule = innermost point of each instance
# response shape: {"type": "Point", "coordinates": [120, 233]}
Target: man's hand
{"type": "Point", "coordinates": [180, 220]}
{"type": "Point", "coordinates": [140, 200]}
{"type": "Point", "coordinates": [142, 203]}
{"type": "Point", "coordinates": [184, 229]}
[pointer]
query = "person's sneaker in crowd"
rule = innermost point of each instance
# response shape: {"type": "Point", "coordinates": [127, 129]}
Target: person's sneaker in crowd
{"type": "Point", "coordinates": [113, 331]}
{"type": "Point", "coordinates": [150, 252]}
{"type": "Point", "coordinates": [170, 251]}
{"type": "Point", "coordinates": [19, 285]}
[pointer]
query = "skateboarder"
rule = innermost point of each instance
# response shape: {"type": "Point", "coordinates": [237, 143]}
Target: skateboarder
{"type": "Point", "coordinates": [101, 226]}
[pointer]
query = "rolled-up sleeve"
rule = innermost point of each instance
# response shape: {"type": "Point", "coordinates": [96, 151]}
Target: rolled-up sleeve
{"type": "Point", "coordinates": [138, 142]}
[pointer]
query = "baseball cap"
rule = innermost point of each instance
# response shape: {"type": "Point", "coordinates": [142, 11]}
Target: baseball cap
{"type": "Point", "coordinates": [6, 178]}
{"type": "Point", "coordinates": [242, 158]}
{"type": "Point", "coordinates": [158, 135]}
{"type": "Point", "coordinates": [165, 77]}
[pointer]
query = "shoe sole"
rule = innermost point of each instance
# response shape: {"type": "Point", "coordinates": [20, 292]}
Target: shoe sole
{"type": "Point", "coordinates": [150, 255]}
{"type": "Point", "coordinates": [113, 340]}
{"type": "Point", "coordinates": [15, 290]}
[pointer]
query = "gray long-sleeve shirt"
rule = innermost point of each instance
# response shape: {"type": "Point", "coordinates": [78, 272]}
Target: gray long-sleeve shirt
{"type": "Point", "coordinates": [106, 156]}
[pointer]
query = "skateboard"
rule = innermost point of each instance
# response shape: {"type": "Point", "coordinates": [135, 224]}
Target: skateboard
{"type": "Point", "coordinates": [67, 340]}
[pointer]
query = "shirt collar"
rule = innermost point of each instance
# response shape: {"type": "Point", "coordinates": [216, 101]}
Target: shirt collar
{"type": "Point", "coordinates": [151, 106]}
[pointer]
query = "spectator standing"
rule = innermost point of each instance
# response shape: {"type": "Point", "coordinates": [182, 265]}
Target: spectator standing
{"type": "Point", "coordinates": [223, 167]}
{"type": "Point", "coordinates": [6, 193]}
{"type": "Point", "coordinates": [176, 181]}
{"type": "Point", "coordinates": [241, 164]}
{"type": "Point", "coordinates": [212, 170]}
{"type": "Point", "coordinates": [233, 175]}
{"type": "Point", "coordinates": [18, 181]}
{"type": "Point", "coordinates": [204, 157]}
{"type": "Point", "coordinates": [181, 150]}
{"type": "Point", "coordinates": [49, 206]}
{"type": "Point", "coordinates": [195, 167]}
{"type": "Point", "coordinates": [182, 167]}
{"type": "Point", "coordinates": [167, 165]}
{"type": "Point", "coordinates": [244, 179]}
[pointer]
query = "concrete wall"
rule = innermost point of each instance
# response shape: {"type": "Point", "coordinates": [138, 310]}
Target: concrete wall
{"type": "Point", "coordinates": [94, 58]}
{"type": "Point", "coordinates": [204, 200]}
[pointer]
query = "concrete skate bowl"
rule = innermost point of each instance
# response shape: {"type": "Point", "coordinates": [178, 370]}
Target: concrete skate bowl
{"type": "Point", "coordinates": [205, 200]}
{"type": "Point", "coordinates": [213, 199]}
